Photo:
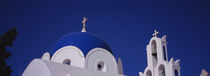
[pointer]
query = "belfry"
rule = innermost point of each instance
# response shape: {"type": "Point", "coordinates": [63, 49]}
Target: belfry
{"type": "Point", "coordinates": [157, 59]}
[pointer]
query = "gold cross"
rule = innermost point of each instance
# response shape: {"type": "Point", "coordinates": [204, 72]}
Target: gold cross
{"type": "Point", "coordinates": [84, 22]}
{"type": "Point", "coordinates": [155, 33]}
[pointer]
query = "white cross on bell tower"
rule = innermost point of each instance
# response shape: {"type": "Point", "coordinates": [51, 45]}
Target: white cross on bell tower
{"type": "Point", "coordinates": [155, 33]}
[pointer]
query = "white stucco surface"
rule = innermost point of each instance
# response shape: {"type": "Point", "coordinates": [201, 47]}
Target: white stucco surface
{"type": "Point", "coordinates": [70, 52]}
{"type": "Point", "coordinates": [40, 67]}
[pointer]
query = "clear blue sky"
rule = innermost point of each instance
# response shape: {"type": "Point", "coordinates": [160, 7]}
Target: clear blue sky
{"type": "Point", "coordinates": [126, 25]}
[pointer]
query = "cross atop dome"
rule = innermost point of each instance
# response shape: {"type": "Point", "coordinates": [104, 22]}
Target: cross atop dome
{"type": "Point", "coordinates": [84, 22]}
{"type": "Point", "coordinates": [155, 33]}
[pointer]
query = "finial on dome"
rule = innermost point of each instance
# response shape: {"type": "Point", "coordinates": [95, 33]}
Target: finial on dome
{"type": "Point", "coordinates": [155, 33]}
{"type": "Point", "coordinates": [84, 22]}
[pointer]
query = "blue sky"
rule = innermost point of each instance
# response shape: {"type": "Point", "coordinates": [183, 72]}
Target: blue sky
{"type": "Point", "coordinates": [126, 25]}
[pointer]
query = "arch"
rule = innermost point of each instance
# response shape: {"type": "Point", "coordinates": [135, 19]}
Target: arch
{"type": "Point", "coordinates": [164, 52]}
{"type": "Point", "coordinates": [149, 73]}
{"type": "Point", "coordinates": [154, 52]}
{"type": "Point", "coordinates": [161, 70]}
{"type": "Point", "coordinates": [176, 72]}
{"type": "Point", "coordinates": [69, 55]}
{"type": "Point", "coordinates": [100, 59]}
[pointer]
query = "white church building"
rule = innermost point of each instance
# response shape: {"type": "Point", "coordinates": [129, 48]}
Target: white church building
{"type": "Point", "coordinates": [85, 54]}
{"type": "Point", "coordinates": [77, 54]}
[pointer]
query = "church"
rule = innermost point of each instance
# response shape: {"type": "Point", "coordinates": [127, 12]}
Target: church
{"type": "Point", "coordinates": [86, 54]}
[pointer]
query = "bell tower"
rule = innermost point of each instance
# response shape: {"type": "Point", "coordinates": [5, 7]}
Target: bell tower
{"type": "Point", "coordinates": [157, 59]}
{"type": "Point", "coordinates": [156, 50]}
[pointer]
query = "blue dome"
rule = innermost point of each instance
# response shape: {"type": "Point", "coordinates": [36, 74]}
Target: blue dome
{"type": "Point", "coordinates": [83, 40]}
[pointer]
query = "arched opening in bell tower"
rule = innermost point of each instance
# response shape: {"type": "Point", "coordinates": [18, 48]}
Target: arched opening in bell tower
{"type": "Point", "coordinates": [161, 70]}
{"type": "Point", "coordinates": [148, 73]}
{"type": "Point", "coordinates": [164, 53]}
{"type": "Point", "coordinates": [176, 72]}
{"type": "Point", "coordinates": [154, 52]}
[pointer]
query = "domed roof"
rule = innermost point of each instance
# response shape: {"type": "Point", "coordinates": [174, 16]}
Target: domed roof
{"type": "Point", "coordinates": [83, 40]}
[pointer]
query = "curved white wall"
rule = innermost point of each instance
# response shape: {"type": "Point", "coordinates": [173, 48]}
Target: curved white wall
{"type": "Point", "coordinates": [70, 52]}
{"type": "Point", "coordinates": [98, 55]}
